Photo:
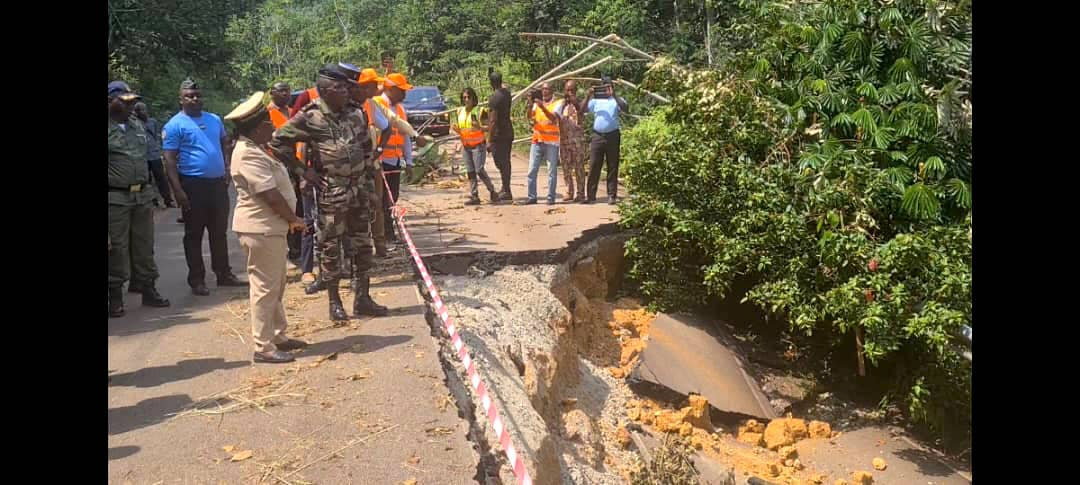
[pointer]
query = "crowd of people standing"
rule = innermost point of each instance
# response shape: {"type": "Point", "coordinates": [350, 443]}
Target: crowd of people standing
{"type": "Point", "coordinates": [558, 138]}
{"type": "Point", "coordinates": [315, 182]}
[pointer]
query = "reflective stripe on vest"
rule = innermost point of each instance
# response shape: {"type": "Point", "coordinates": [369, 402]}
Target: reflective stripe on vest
{"type": "Point", "coordinates": [395, 146]}
{"type": "Point", "coordinates": [470, 136]}
{"type": "Point", "coordinates": [545, 130]}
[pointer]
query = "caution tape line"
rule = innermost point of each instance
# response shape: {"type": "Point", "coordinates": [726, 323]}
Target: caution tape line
{"type": "Point", "coordinates": [464, 355]}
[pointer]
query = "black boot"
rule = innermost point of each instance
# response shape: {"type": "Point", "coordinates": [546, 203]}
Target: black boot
{"type": "Point", "coordinates": [362, 302]}
{"type": "Point", "coordinates": [116, 303]}
{"type": "Point", "coordinates": [337, 310]}
{"type": "Point", "coordinates": [151, 297]}
{"type": "Point", "coordinates": [315, 287]}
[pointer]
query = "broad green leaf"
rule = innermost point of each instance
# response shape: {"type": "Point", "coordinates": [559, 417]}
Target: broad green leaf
{"type": "Point", "coordinates": [867, 89]}
{"type": "Point", "coordinates": [960, 191]}
{"type": "Point", "coordinates": [865, 120]}
{"type": "Point", "coordinates": [935, 168]}
{"type": "Point", "coordinates": [920, 202]}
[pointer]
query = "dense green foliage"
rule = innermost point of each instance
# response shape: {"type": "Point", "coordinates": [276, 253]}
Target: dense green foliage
{"type": "Point", "coordinates": [831, 165]}
{"type": "Point", "coordinates": [236, 46]}
{"type": "Point", "coordinates": [154, 45]}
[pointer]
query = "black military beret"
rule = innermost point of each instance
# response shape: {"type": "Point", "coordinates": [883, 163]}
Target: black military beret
{"type": "Point", "coordinates": [336, 73]}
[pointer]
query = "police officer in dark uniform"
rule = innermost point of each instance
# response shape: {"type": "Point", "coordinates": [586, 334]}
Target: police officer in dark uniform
{"type": "Point", "coordinates": [338, 146]}
{"type": "Point", "coordinates": [131, 205]}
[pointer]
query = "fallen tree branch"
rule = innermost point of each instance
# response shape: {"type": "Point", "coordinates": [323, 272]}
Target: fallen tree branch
{"type": "Point", "coordinates": [634, 49]}
{"type": "Point", "coordinates": [570, 74]}
{"type": "Point", "coordinates": [627, 84]}
{"type": "Point", "coordinates": [623, 46]}
{"type": "Point", "coordinates": [564, 64]}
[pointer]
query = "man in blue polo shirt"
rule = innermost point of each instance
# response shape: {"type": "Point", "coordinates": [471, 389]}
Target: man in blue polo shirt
{"type": "Point", "coordinates": [198, 172]}
{"type": "Point", "coordinates": [606, 138]}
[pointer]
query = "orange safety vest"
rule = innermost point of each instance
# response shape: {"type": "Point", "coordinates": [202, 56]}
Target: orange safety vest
{"type": "Point", "coordinates": [471, 137]}
{"type": "Point", "coordinates": [277, 117]}
{"type": "Point", "coordinates": [395, 146]}
{"type": "Point", "coordinates": [313, 94]}
{"type": "Point", "coordinates": [369, 111]}
{"type": "Point", "coordinates": [545, 130]}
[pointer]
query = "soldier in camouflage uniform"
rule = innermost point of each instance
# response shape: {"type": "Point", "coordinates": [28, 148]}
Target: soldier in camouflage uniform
{"type": "Point", "coordinates": [338, 145]}
{"type": "Point", "coordinates": [131, 209]}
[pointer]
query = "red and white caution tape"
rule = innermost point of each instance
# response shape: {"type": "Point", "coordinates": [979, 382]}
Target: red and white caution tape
{"type": "Point", "coordinates": [478, 386]}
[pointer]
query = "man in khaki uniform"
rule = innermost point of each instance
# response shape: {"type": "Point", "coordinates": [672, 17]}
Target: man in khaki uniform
{"type": "Point", "coordinates": [265, 213]}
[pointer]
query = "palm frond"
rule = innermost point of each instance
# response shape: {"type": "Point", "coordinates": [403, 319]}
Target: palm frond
{"type": "Point", "coordinates": [920, 202]}
{"type": "Point", "coordinates": [960, 191]}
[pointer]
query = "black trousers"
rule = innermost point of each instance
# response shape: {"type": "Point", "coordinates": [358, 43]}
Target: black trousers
{"type": "Point", "coordinates": [500, 153]}
{"type": "Point", "coordinates": [604, 147]}
{"type": "Point", "coordinates": [209, 212]}
{"type": "Point", "coordinates": [394, 181]}
{"type": "Point", "coordinates": [162, 183]}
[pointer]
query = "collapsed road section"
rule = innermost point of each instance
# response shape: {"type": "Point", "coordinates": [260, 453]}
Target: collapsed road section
{"type": "Point", "coordinates": [589, 382]}
{"type": "Point", "coordinates": [559, 356]}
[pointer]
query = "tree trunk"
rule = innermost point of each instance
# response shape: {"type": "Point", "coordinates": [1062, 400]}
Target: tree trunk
{"type": "Point", "coordinates": [861, 361]}
{"type": "Point", "coordinates": [677, 29]}
{"type": "Point", "coordinates": [708, 31]}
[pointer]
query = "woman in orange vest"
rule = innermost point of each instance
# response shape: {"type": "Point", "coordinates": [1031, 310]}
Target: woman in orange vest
{"type": "Point", "coordinates": [470, 127]}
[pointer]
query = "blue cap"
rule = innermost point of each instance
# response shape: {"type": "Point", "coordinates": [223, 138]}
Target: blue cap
{"type": "Point", "coordinates": [122, 90]}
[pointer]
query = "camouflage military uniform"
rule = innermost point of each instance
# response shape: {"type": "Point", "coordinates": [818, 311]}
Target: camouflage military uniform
{"type": "Point", "coordinates": [131, 207]}
{"type": "Point", "coordinates": [338, 147]}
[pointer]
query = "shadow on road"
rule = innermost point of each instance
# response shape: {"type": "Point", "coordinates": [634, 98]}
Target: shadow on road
{"type": "Point", "coordinates": [147, 413]}
{"type": "Point", "coordinates": [928, 463]}
{"type": "Point", "coordinates": [150, 323]}
{"type": "Point", "coordinates": [183, 370]}
{"type": "Point", "coordinates": [122, 452]}
{"type": "Point", "coordinates": [356, 344]}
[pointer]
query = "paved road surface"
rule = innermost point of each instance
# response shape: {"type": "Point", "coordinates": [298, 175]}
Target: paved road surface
{"type": "Point", "coordinates": [384, 378]}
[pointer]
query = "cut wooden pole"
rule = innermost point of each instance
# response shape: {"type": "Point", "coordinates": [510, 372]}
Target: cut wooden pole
{"type": "Point", "coordinates": [561, 76]}
{"type": "Point", "coordinates": [627, 84]}
{"type": "Point", "coordinates": [565, 63]}
{"type": "Point", "coordinates": [577, 71]}
{"type": "Point", "coordinates": [623, 46]}
{"type": "Point", "coordinates": [635, 50]}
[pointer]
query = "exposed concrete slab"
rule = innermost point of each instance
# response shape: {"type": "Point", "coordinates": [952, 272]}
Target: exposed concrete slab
{"type": "Point", "coordinates": [687, 355]}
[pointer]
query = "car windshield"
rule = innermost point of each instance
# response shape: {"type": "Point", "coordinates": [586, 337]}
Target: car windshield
{"type": "Point", "coordinates": [420, 95]}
